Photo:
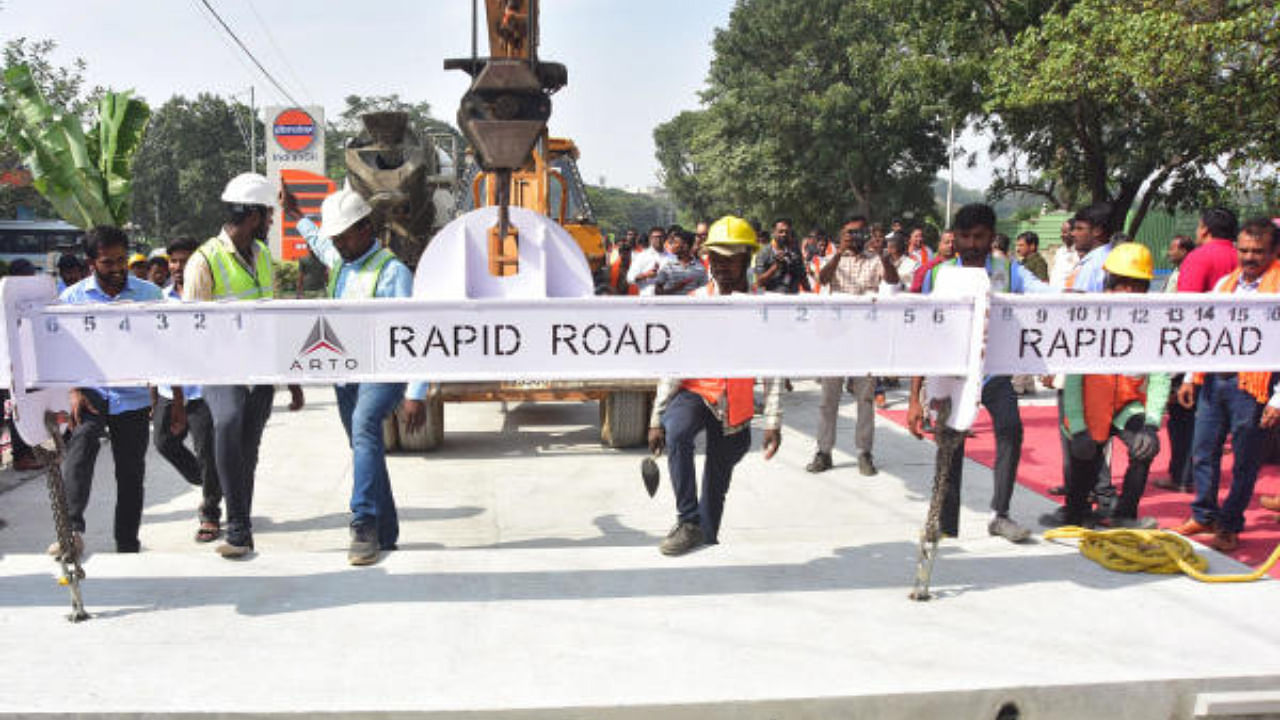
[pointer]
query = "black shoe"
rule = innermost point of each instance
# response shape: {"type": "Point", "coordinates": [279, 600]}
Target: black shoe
{"type": "Point", "coordinates": [865, 465]}
{"type": "Point", "coordinates": [1058, 518]}
{"type": "Point", "coordinates": [1142, 523]}
{"type": "Point", "coordinates": [364, 545]}
{"type": "Point", "coordinates": [683, 537]}
{"type": "Point", "coordinates": [821, 462]}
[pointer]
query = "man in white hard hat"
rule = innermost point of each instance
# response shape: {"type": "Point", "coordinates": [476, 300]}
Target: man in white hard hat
{"type": "Point", "coordinates": [360, 269]}
{"type": "Point", "coordinates": [236, 265]}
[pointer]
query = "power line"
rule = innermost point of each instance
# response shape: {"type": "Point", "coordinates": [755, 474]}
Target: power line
{"type": "Point", "coordinates": [270, 78]}
{"type": "Point", "coordinates": [293, 74]}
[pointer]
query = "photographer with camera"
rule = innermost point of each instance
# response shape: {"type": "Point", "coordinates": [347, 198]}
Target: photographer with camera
{"type": "Point", "coordinates": [855, 271]}
{"type": "Point", "coordinates": [780, 266]}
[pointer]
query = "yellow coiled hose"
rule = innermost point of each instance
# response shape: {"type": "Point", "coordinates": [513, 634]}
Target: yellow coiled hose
{"type": "Point", "coordinates": [1150, 551]}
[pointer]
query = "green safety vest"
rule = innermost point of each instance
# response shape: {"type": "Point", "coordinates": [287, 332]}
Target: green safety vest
{"type": "Point", "coordinates": [1000, 270]}
{"type": "Point", "coordinates": [365, 276]}
{"type": "Point", "coordinates": [231, 279]}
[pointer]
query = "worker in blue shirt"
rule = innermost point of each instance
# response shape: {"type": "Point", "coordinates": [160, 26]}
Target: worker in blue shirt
{"type": "Point", "coordinates": [360, 269]}
{"type": "Point", "coordinates": [123, 413]}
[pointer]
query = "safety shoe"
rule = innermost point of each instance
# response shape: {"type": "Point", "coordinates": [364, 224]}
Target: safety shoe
{"type": "Point", "coordinates": [77, 542]}
{"type": "Point", "coordinates": [1193, 527]}
{"type": "Point", "coordinates": [821, 462]}
{"type": "Point", "coordinates": [364, 545]}
{"type": "Point", "coordinates": [236, 546]}
{"type": "Point", "coordinates": [865, 465]}
{"type": "Point", "coordinates": [1224, 541]}
{"type": "Point", "coordinates": [683, 537]}
{"type": "Point", "coordinates": [1006, 528]}
{"type": "Point", "coordinates": [1125, 523]}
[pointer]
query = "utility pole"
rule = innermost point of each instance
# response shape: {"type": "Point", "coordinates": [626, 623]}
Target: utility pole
{"type": "Point", "coordinates": [951, 171]}
{"type": "Point", "coordinates": [252, 140]}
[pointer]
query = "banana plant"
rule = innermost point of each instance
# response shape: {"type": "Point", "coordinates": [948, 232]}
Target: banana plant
{"type": "Point", "coordinates": [87, 177]}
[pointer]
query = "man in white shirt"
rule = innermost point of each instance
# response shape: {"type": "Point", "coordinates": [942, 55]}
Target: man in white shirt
{"type": "Point", "coordinates": [1065, 258]}
{"type": "Point", "coordinates": [646, 263]}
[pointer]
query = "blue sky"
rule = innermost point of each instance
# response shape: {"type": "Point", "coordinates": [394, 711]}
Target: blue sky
{"type": "Point", "coordinates": [632, 65]}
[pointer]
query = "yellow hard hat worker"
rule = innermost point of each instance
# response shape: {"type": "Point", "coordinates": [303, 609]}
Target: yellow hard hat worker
{"type": "Point", "coordinates": [731, 235]}
{"type": "Point", "coordinates": [1131, 260]}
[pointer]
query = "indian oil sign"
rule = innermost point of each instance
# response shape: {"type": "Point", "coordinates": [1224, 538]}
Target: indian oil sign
{"type": "Point", "coordinates": [294, 130]}
{"type": "Point", "coordinates": [295, 141]}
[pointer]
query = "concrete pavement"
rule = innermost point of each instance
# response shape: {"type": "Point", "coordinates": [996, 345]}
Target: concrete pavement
{"type": "Point", "coordinates": [528, 583]}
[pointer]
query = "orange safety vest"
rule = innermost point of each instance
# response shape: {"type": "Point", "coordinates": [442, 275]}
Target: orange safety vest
{"type": "Point", "coordinates": [1106, 395]}
{"type": "Point", "coordinates": [1257, 384]}
{"type": "Point", "coordinates": [615, 274]}
{"type": "Point", "coordinates": [816, 266]}
{"type": "Point", "coordinates": [736, 395]}
{"type": "Point", "coordinates": [921, 256]}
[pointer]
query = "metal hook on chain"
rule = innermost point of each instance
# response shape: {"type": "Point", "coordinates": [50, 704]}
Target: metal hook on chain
{"type": "Point", "coordinates": [68, 554]}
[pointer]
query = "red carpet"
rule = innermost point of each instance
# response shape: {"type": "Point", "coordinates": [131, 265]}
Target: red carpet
{"type": "Point", "coordinates": [1041, 468]}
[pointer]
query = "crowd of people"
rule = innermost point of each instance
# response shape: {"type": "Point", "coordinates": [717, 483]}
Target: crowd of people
{"type": "Point", "coordinates": [225, 423]}
{"type": "Point", "coordinates": [1198, 413]}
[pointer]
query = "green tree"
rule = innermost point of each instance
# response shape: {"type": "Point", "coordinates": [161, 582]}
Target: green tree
{"type": "Point", "coordinates": [84, 173]}
{"type": "Point", "coordinates": [814, 109]}
{"type": "Point", "coordinates": [191, 149]}
{"type": "Point", "coordinates": [339, 132]}
{"type": "Point", "coordinates": [62, 86]}
{"type": "Point", "coordinates": [616, 209]}
{"type": "Point", "coordinates": [1137, 102]}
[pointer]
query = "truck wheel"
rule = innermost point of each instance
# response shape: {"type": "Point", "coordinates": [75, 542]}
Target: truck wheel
{"type": "Point", "coordinates": [624, 419]}
{"type": "Point", "coordinates": [428, 437]}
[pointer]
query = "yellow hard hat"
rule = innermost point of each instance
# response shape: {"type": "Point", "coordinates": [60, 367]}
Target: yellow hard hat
{"type": "Point", "coordinates": [136, 258]}
{"type": "Point", "coordinates": [1131, 260]}
{"type": "Point", "coordinates": [731, 235]}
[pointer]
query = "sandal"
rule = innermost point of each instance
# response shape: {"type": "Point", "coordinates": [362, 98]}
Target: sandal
{"type": "Point", "coordinates": [209, 531]}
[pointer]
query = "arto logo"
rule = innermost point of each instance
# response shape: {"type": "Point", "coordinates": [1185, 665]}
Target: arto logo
{"type": "Point", "coordinates": [322, 337]}
{"type": "Point", "coordinates": [322, 351]}
{"type": "Point", "coordinates": [294, 130]}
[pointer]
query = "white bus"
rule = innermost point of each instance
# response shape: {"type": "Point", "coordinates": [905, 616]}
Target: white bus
{"type": "Point", "coordinates": [39, 241]}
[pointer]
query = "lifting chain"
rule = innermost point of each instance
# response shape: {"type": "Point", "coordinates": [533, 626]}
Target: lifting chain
{"type": "Point", "coordinates": [948, 441]}
{"type": "Point", "coordinates": [68, 557]}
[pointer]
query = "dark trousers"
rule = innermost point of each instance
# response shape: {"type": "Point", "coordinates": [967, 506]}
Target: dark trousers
{"type": "Point", "coordinates": [17, 446]}
{"type": "Point", "coordinates": [1084, 477]}
{"type": "Point", "coordinates": [1181, 428]}
{"type": "Point", "coordinates": [685, 417]}
{"type": "Point", "coordinates": [239, 415]}
{"type": "Point", "coordinates": [1223, 408]}
{"type": "Point", "coordinates": [1001, 401]}
{"type": "Point", "coordinates": [198, 468]}
{"type": "Point", "coordinates": [1102, 487]}
{"type": "Point", "coordinates": [128, 434]}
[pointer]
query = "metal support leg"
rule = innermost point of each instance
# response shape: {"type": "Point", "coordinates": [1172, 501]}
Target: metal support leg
{"type": "Point", "coordinates": [948, 441]}
{"type": "Point", "coordinates": [68, 558]}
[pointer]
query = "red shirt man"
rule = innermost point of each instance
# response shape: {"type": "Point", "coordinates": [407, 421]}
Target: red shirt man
{"type": "Point", "coordinates": [1215, 255]}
